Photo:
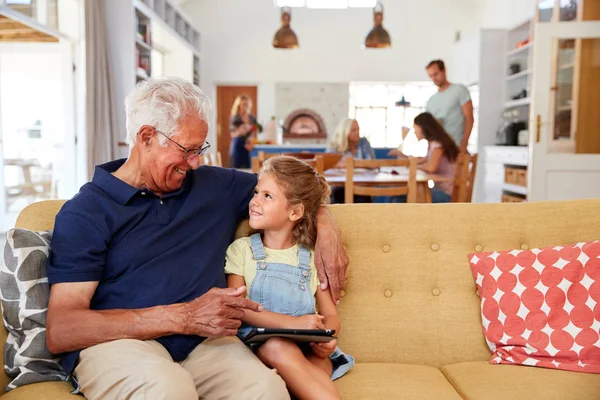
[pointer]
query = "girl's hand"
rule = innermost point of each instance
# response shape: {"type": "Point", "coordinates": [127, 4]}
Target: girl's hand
{"type": "Point", "coordinates": [324, 350]}
{"type": "Point", "coordinates": [394, 153]}
{"type": "Point", "coordinates": [310, 321]}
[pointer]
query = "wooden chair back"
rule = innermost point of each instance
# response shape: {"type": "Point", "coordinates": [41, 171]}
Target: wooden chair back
{"type": "Point", "coordinates": [212, 159]}
{"type": "Point", "coordinates": [352, 188]}
{"type": "Point", "coordinates": [466, 167]}
{"type": "Point", "coordinates": [317, 162]}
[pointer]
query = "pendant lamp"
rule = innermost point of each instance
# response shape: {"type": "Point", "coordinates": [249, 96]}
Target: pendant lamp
{"type": "Point", "coordinates": [378, 38]}
{"type": "Point", "coordinates": [285, 38]}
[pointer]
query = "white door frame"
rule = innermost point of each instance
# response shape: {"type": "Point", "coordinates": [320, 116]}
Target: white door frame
{"type": "Point", "coordinates": [541, 160]}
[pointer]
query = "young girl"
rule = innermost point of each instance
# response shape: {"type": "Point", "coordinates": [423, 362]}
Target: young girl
{"type": "Point", "coordinates": [278, 267]}
{"type": "Point", "coordinates": [441, 155]}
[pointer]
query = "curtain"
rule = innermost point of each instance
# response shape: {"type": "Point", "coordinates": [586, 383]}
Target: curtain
{"type": "Point", "coordinates": [101, 130]}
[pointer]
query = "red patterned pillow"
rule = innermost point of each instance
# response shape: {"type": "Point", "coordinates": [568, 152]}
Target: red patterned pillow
{"type": "Point", "coordinates": [541, 307]}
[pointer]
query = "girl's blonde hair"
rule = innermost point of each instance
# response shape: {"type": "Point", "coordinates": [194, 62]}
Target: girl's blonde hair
{"type": "Point", "coordinates": [301, 184]}
{"type": "Point", "coordinates": [235, 109]}
{"type": "Point", "coordinates": [339, 140]}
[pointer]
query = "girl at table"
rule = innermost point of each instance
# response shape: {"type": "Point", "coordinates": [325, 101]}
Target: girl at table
{"type": "Point", "coordinates": [442, 153]}
{"type": "Point", "coordinates": [277, 265]}
{"type": "Point", "coordinates": [347, 140]}
{"type": "Point", "coordinates": [441, 156]}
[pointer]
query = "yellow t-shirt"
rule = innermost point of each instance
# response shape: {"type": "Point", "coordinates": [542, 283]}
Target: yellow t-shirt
{"type": "Point", "coordinates": [239, 261]}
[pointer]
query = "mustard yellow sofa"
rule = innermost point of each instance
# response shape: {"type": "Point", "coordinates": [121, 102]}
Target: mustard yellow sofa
{"type": "Point", "coordinates": [410, 311]}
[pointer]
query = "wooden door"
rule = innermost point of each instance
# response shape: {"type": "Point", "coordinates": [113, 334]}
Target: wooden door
{"type": "Point", "coordinates": [225, 97]}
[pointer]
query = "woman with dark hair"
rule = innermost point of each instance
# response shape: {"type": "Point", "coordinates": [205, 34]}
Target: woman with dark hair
{"type": "Point", "coordinates": [441, 155]}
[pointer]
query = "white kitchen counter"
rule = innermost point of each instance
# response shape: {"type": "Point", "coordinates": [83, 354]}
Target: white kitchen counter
{"type": "Point", "coordinates": [490, 172]}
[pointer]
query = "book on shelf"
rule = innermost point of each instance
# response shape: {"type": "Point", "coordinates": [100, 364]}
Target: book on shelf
{"type": "Point", "coordinates": [143, 32]}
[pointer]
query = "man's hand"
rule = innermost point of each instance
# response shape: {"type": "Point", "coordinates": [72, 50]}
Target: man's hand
{"type": "Point", "coordinates": [218, 312]}
{"type": "Point", "coordinates": [309, 321]}
{"type": "Point", "coordinates": [324, 350]}
{"type": "Point", "coordinates": [331, 259]}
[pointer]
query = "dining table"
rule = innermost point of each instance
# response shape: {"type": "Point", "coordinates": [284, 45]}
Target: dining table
{"type": "Point", "coordinates": [386, 176]}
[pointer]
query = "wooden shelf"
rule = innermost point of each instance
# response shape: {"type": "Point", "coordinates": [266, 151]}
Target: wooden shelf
{"type": "Point", "coordinates": [172, 18]}
{"type": "Point", "coordinates": [564, 108]}
{"type": "Point", "coordinates": [516, 103]}
{"type": "Point", "coordinates": [518, 75]}
{"type": "Point", "coordinates": [143, 44]}
{"type": "Point", "coordinates": [566, 66]}
{"type": "Point", "coordinates": [515, 188]}
{"type": "Point", "coordinates": [519, 50]}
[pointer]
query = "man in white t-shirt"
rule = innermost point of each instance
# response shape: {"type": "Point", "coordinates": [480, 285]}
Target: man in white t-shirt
{"type": "Point", "coordinates": [451, 105]}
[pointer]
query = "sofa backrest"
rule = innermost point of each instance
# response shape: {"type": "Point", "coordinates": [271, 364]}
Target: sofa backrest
{"type": "Point", "coordinates": [410, 297]}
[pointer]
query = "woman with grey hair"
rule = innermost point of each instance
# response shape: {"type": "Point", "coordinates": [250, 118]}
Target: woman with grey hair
{"type": "Point", "coordinates": [347, 140]}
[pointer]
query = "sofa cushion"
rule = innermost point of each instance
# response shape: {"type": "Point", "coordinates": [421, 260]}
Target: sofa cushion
{"type": "Point", "coordinates": [24, 292]}
{"type": "Point", "coordinates": [43, 390]}
{"type": "Point", "coordinates": [394, 381]}
{"type": "Point", "coordinates": [541, 307]}
{"type": "Point", "coordinates": [480, 380]}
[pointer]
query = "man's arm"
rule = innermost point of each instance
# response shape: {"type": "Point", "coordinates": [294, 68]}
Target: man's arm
{"type": "Point", "coordinates": [467, 110]}
{"type": "Point", "coordinates": [331, 259]}
{"type": "Point", "coordinates": [71, 325]}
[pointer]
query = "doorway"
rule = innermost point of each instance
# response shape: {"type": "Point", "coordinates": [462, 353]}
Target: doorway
{"type": "Point", "coordinates": [225, 97]}
{"type": "Point", "coordinates": [37, 126]}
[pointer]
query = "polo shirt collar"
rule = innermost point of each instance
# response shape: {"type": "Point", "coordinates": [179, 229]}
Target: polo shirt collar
{"type": "Point", "coordinates": [120, 191]}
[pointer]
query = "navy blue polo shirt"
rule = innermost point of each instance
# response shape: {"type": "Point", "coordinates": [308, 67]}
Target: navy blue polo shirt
{"type": "Point", "coordinates": [147, 251]}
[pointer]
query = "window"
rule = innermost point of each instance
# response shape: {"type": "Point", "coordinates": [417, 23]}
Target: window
{"type": "Point", "coordinates": [373, 105]}
{"type": "Point", "coordinates": [326, 3]}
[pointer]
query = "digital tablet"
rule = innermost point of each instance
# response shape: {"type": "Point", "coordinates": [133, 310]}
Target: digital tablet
{"type": "Point", "coordinates": [261, 335]}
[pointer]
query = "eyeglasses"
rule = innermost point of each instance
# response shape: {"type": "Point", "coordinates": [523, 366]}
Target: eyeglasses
{"type": "Point", "coordinates": [187, 152]}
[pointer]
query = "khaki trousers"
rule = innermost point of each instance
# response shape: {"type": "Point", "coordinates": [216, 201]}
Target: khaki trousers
{"type": "Point", "coordinates": [219, 368]}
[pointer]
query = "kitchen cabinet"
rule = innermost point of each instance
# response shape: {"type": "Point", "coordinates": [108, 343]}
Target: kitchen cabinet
{"type": "Point", "coordinates": [574, 78]}
{"type": "Point", "coordinates": [564, 142]}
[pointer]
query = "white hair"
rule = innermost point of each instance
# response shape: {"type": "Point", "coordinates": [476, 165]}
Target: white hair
{"type": "Point", "coordinates": [339, 140]}
{"type": "Point", "coordinates": [162, 103]}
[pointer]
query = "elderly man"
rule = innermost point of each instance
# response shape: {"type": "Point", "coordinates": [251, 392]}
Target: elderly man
{"type": "Point", "coordinates": [137, 306]}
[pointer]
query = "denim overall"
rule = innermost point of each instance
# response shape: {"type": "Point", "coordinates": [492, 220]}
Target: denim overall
{"type": "Point", "coordinates": [285, 289]}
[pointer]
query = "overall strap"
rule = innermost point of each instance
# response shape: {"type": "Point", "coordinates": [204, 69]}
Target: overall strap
{"type": "Point", "coordinates": [258, 250]}
{"type": "Point", "coordinates": [303, 257]}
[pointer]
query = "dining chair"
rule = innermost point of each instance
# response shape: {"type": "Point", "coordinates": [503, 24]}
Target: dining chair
{"type": "Point", "coordinates": [212, 159]}
{"type": "Point", "coordinates": [317, 162]}
{"type": "Point", "coordinates": [466, 167]}
{"type": "Point", "coordinates": [384, 189]}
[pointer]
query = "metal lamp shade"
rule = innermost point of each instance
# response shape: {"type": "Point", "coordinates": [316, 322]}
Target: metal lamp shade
{"type": "Point", "coordinates": [285, 38]}
{"type": "Point", "coordinates": [378, 37]}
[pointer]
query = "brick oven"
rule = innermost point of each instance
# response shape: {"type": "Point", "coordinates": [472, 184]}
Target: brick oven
{"type": "Point", "coordinates": [304, 124]}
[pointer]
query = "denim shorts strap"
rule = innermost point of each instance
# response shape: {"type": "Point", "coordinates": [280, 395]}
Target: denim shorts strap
{"type": "Point", "coordinates": [303, 257]}
{"type": "Point", "coordinates": [258, 250]}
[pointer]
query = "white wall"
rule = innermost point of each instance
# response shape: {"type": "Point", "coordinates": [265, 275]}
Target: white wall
{"type": "Point", "coordinates": [329, 100]}
{"type": "Point", "coordinates": [505, 14]}
{"type": "Point", "coordinates": [237, 35]}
